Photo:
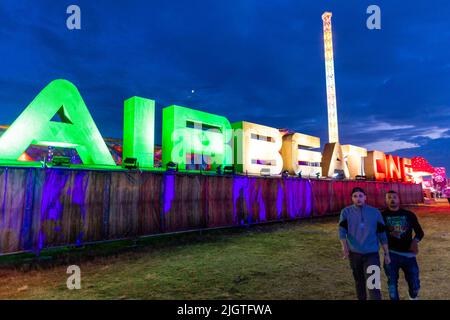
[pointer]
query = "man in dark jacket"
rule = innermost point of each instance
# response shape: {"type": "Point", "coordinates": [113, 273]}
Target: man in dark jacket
{"type": "Point", "coordinates": [403, 248]}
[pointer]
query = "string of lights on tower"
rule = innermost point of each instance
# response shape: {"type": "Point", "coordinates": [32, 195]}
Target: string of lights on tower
{"type": "Point", "coordinates": [333, 132]}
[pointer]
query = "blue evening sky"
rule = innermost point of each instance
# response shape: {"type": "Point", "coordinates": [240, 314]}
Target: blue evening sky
{"type": "Point", "coordinates": [254, 60]}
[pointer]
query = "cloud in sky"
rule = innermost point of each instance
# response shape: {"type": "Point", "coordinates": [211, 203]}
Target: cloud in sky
{"type": "Point", "coordinates": [384, 126]}
{"type": "Point", "coordinates": [390, 145]}
{"type": "Point", "coordinates": [434, 133]}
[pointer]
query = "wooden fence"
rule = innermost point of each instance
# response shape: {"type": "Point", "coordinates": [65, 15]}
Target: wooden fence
{"type": "Point", "coordinates": [50, 207]}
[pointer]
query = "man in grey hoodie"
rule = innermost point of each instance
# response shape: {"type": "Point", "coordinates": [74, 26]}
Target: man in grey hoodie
{"type": "Point", "coordinates": [361, 229]}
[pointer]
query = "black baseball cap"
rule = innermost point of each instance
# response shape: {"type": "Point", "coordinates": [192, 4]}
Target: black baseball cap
{"type": "Point", "coordinates": [358, 189]}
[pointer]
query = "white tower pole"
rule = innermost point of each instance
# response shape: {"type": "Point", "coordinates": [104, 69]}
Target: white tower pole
{"type": "Point", "coordinates": [333, 132]}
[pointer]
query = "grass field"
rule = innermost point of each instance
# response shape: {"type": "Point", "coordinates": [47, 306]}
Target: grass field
{"type": "Point", "coordinates": [296, 260]}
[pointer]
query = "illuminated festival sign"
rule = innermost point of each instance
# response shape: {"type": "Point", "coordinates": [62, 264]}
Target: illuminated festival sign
{"type": "Point", "coordinates": [193, 140]}
{"type": "Point", "coordinates": [192, 137]}
{"type": "Point", "coordinates": [420, 168]}
{"type": "Point", "coordinates": [257, 147]}
{"type": "Point", "coordinates": [298, 157]}
{"type": "Point", "coordinates": [139, 130]}
{"type": "Point", "coordinates": [75, 130]}
{"type": "Point", "coordinates": [382, 167]}
{"type": "Point", "coordinates": [334, 161]}
{"type": "Point", "coordinates": [355, 160]}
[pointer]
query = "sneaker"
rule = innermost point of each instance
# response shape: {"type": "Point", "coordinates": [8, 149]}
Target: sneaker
{"type": "Point", "coordinates": [416, 298]}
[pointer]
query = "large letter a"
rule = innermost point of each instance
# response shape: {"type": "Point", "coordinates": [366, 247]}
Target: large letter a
{"type": "Point", "coordinates": [76, 129]}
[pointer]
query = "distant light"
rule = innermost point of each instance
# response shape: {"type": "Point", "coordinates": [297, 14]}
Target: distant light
{"type": "Point", "coordinates": [193, 91]}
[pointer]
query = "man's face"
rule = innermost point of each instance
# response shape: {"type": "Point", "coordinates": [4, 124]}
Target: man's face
{"type": "Point", "coordinates": [358, 198]}
{"type": "Point", "coordinates": [392, 200]}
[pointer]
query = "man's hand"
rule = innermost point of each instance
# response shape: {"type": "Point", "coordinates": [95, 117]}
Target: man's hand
{"type": "Point", "coordinates": [345, 252]}
{"type": "Point", "coordinates": [414, 248]}
{"type": "Point", "coordinates": [387, 258]}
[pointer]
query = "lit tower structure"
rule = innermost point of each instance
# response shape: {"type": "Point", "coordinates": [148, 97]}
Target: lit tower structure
{"type": "Point", "coordinates": [333, 132]}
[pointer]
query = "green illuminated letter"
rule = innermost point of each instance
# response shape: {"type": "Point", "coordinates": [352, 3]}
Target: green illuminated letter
{"type": "Point", "coordinates": [197, 135]}
{"type": "Point", "coordinates": [138, 131]}
{"type": "Point", "coordinates": [76, 129]}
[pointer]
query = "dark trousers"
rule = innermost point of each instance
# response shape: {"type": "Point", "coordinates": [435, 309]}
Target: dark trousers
{"type": "Point", "coordinates": [410, 269]}
{"type": "Point", "coordinates": [359, 264]}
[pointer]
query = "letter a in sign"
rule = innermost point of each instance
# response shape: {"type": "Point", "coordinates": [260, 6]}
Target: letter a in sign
{"type": "Point", "coordinates": [76, 128]}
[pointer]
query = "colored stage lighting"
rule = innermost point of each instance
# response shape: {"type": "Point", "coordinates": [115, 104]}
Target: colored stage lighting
{"type": "Point", "coordinates": [265, 172]}
{"type": "Point", "coordinates": [229, 170]}
{"type": "Point", "coordinates": [130, 163]}
{"type": "Point", "coordinates": [59, 161]}
{"type": "Point", "coordinates": [339, 175]}
{"type": "Point", "coordinates": [172, 166]}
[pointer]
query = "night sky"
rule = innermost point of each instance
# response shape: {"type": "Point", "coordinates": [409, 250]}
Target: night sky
{"type": "Point", "coordinates": [254, 60]}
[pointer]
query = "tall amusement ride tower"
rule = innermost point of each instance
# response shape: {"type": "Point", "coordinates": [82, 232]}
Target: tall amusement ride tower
{"type": "Point", "coordinates": [333, 132]}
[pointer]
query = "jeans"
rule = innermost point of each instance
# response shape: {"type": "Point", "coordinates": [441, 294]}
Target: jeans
{"type": "Point", "coordinates": [410, 269]}
{"type": "Point", "coordinates": [359, 264]}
